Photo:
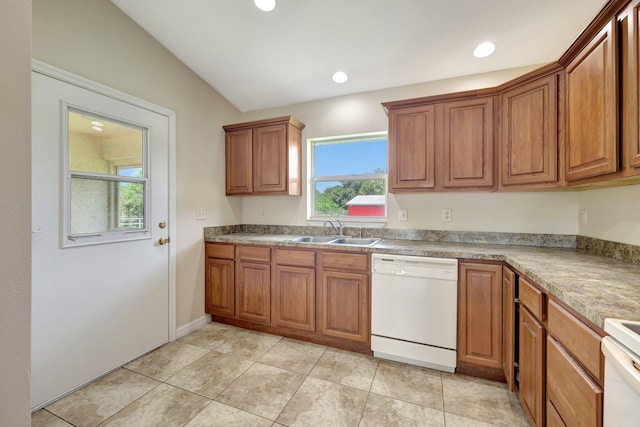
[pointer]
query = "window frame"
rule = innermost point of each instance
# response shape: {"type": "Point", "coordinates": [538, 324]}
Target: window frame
{"type": "Point", "coordinates": [312, 179]}
{"type": "Point", "coordinates": [68, 239]}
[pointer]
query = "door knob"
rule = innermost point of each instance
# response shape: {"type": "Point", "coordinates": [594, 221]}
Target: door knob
{"type": "Point", "coordinates": [164, 240]}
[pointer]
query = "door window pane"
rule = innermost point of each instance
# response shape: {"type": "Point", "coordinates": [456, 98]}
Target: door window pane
{"type": "Point", "coordinates": [99, 145]}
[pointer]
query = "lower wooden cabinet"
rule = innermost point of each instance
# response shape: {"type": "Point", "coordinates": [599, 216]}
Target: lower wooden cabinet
{"type": "Point", "coordinates": [345, 305]}
{"type": "Point", "coordinates": [532, 367]}
{"type": "Point", "coordinates": [253, 291]}
{"type": "Point", "coordinates": [480, 318]}
{"type": "Point", "coordinates": [576, 398]}
{"type": "Point", "coordinates": [508, 325]}
{"type": "Point", "coordinates": [553, 418]}
{"type": "Point", "coordinates": [295, 297]}
{"type": "Point", "coordinates": [346, 296]}
{"type": "Point", "coordinates": [313, 295]}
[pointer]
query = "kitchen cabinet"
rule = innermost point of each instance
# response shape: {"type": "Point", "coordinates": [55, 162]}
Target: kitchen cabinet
{"type": "Point", "coordinates": [345, 296]}
{"type": "Point", "coordinates": [412, 134]}
{"type": "Point", "coordinates": [294, 302]}
{"type": "Point", "coordinates": [467, 138]}
{"type": "Point", "coordinates": [253, 283]}
{"type": "Point", "coordinates": [575, 369]}
{"type": "Point", "coordinates": [264, 157]}
{"type": "Point", "coordinates": [442, 143]}
{"type": "Point", "coordinates": [629, 24]}
{"type": "Point", "coordinates": [219, 279]}
{"type": "Point", "coordinates": [528, 136]}
{"type": "Point", "coordinates": [508, 325]}
{"type": "Point", "coordinates": [480, 319]}
{"type": "Point", "coordinates": [531, 351]}
{"type": "Point", "coordinates": [591, 84]}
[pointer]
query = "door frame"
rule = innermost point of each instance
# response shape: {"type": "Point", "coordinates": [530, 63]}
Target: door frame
{"type": "Point", "coordinates": [73, 79]}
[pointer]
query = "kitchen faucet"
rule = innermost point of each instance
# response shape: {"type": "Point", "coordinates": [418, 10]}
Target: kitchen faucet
{"type": "Point", "coordinates": [336, 229]}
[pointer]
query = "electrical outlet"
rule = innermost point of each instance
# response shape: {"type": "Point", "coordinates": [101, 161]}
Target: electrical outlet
{"type": "Point", "coordinates": [201, 214]}
{"type": "Point", "coordinates": [584, 219]}
{"type": "Point", "coordinates": [403, 214]}
{"type": "Point", "coordinates": [263, 213]}
{"type": "Point", "coordinates": [446, 215]}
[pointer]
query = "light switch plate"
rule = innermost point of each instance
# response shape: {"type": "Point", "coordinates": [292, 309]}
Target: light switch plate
{"type": "Point", "coordinates": [403, 215]}
{"type": "Point", "coordinates": [201, 214]}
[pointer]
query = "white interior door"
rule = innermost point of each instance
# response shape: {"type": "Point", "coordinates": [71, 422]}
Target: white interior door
{"type": "Point", "coordinates": [100, 276]}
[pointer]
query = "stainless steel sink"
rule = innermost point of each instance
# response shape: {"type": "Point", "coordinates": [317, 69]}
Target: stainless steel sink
{"type": "Point", "coordinates": [354, 241]}
{"type": "Point", "coordinates": [314, 239]}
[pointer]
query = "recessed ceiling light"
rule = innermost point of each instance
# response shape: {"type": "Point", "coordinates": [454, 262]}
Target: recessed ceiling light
{"type": "Point", "coordinates": [484, 49]}
{"type": "Point", "coordinates": [340, 77]}
{"type": "Point", "coordinates": [97, 123]}
{"type": "Point", "coordinates": [265, 5]}
{"type": "Point", "coordinates": [97, 128]}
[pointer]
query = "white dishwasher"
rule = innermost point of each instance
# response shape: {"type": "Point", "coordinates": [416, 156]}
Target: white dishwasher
{"type": "Point", "coordinates": [414, 304]}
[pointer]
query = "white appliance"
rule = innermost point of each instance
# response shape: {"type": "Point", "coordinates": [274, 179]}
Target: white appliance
{"type": "Point", "coordinates": [621, 373]}
{"type": "Point", "coordinates": [414, 310]}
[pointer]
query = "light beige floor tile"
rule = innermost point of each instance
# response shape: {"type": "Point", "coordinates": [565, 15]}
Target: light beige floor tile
{"type": "Point", "coordinates": [97, 401]}
{"type": "Point", "coordinates": [410, 383]}
{"type": "Point", "coordinates": [323, 403]}
{"type": "Point", "coordinates": [167, 360]}
{"type": "Point", "coordinates": [220, 415]}
{"type": "Point", "coordinates": [346, 368]}
{"type": "Point", "coordinates": [481, 400]}
{"type": "Point", "coordinates": [453, 420]}
{"type": "Point", "coordinates": [209, 336]}
{"type": "Point", "coordinates": [248, 344]}
{"type": "Point", "coordinates": [384, 411]}
{"type": "Point", "coordinates": [293, 355]}
{"type": "Point", "coordinates": [163, 406]}
{"type": "Point", "coordinates": [210, 374]}
{"type": "Point", "coordinates": [44, 418]}
{"type": "Point", "coordinates": [262, 390]}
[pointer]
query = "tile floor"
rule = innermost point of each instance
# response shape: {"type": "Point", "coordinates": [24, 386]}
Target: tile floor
{"type": "Point", "coordinates": [225, 376]}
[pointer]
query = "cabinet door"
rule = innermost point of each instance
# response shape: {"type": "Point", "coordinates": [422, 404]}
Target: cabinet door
{"type": "Point", "coordinates": [253, 291]}
{"type": "Point", "coordinates": [295, 296]}
{"type": "Point", "coordinates": [345, 305]}
{"type": "Point", "coordinates": [592, 108]}
{"type": "Point", "coordinates": [553, 417]}
{"type": "Point", "coordinates": [529, 133]}
{"type": "Point", "coordinates": [467, 143]}
{"type": "Point", "coordinates": [480, 315]}
{"type": "Point", "coordinates": [630, 36]}
{"type": "Point", "coordinates": [508, 324]}
{"type": "Point", "coordinates": [270, 159]}
{"type": "Point", "coordinates": [576, 397]}
{"type": "Point", "coordinates": [219, 287]}
{"type": "Point", "coordinates": [239, 154]}
{"type": "Point", "coordinates": [412, 148]}
{"type": "Point", "coordinates": [532, 367]}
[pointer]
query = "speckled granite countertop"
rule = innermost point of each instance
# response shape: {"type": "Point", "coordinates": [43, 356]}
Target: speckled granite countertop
{"type": "Point", "coordinates": [596, 287]}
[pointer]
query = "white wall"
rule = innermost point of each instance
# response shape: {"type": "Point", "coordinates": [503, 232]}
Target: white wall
{"type": "Point", "coordinates": [15, 211]}
{"type": "Point", "coordinates": [526, 212]}
{"type": "Point", "coordinates": [612, 214]}
{"type": "Point", "coordinates": [94, 39]}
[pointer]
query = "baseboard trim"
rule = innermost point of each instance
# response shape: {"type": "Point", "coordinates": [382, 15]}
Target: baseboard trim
{"type": "Point", "coordinates": [192, 326]}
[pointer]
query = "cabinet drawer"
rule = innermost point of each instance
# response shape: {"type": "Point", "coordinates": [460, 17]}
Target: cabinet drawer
{"type": "Point", "coordinates": [532, 298]}
{"type": "Point", "coordinates": [582, 342]}
{"type": "Point", "coordinates": [294, 257]}
{"type": "Point", "coordinates": [345, 261]}
{"type": "Point", "coordinates": [575, 396]}
{"type": "Point", "coordinates": [217, 250]}
{"type": "Point", "coordinates": [254, 253]}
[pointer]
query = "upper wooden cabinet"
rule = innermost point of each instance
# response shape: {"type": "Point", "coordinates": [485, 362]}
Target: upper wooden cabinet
{"type": "Point", "coordinates": [467, 139]}
{"type": "Point", "coordinates": [412, 134]}
{"type": "Point", "coordinates": [528, 136]}
{"type": "Point", "coordinates": [264, 157]}
{"type": "Point", "coordinates": [437, 143]}
{"type": "Point", "coordinates": [629, 26]}
{"type": "Point", "coordinates": [591, 82]}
